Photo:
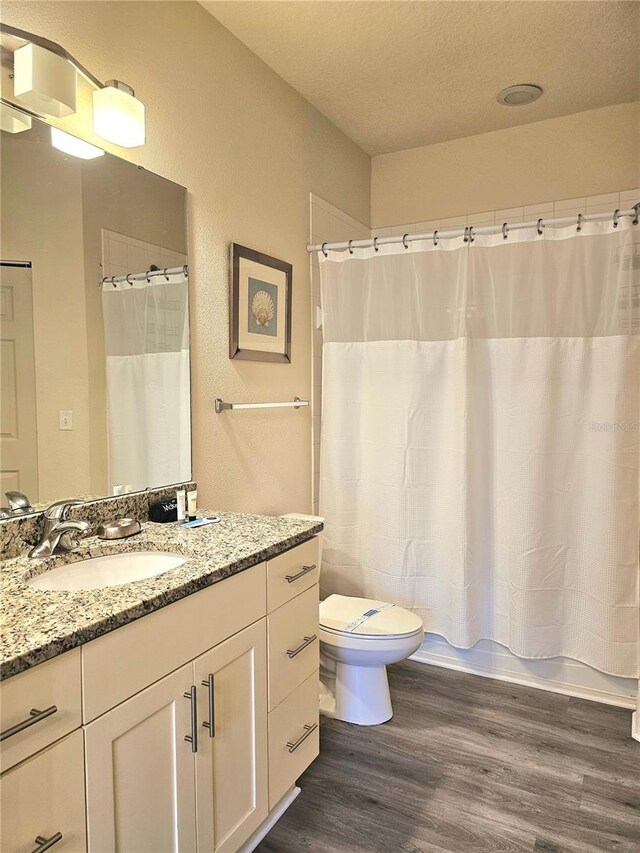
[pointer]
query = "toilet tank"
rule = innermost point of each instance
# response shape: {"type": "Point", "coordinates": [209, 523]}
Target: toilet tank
{"type": "Point", "coordinates": [316, 519]}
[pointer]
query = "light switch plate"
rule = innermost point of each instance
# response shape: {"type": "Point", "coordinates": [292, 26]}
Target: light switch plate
{"type": "Point", "coordinates": [65, 420]}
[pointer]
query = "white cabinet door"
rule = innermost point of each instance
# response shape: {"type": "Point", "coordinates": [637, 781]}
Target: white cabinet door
{"type": "Point", "coordinates": [140, 772]}
{"type": "Point", "coordinates": [231, 761]}
{"type": "Point", "coordinates": [42, 800]}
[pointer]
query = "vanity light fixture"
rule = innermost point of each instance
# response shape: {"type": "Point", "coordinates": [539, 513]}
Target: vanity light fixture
{"type": "Point", "coordinates": [44, 81]}
{"type": "Point", "coordinates": [13, 121]}
{"type": "Point", "coordinates": [72, 145]}
{"type": "Point", "coordinates": [45, 77]}
{"type": "Point", "coordinates": [118, 116]}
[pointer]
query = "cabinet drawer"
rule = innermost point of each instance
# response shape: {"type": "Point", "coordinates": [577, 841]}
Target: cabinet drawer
{"type": "Point", "coordinates": [293, 644]}
{"type": "Point", "coordinates": [122, 663]}
{"type": "Point", "coordinates": [293, 737]}
{"type": "Point", "coordinates": [53, 687]}
{"type": "Point", "coordinates": [291, 573]}
{"type": "Point", "coordinates": [44, 797]}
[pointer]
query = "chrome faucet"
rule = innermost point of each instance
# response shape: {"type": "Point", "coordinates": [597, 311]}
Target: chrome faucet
{"type": "Point", "coordinates": [60, 531]}
{"type": "Point", "coordinates": [17, 504]}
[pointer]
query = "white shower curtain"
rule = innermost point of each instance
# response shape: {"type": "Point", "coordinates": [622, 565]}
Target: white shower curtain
{"type": "Point", "coordinates": [146, 327]}
{"type": "Point", "coordinates": [480, 437]}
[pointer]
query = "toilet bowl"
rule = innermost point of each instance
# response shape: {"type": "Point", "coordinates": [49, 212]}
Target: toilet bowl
{"type": "Point", "coordinates": [359, 637]}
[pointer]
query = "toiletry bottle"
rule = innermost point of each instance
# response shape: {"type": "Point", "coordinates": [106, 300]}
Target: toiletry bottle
{"type": "Point", "coordinates": [181, 500]}
{"type": "Point", "coordinates": [192, 503]}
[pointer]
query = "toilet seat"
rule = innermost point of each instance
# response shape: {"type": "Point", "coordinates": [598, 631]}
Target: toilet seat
{"type": "Point", "coordinates": [365, 618]}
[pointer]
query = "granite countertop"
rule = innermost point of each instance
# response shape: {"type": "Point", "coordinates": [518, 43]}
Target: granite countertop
{"type": "Point", "coordinates": [36, 625]}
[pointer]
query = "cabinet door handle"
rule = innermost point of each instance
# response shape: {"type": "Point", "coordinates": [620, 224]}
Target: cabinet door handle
{"type": "Point", "coordinates": [211, 722]}
{"type": "Point", "coordinates": [46, 843]}
{"type": "Point", "coordinates": [304, 571]}
{"type": "Point", "coordinates": [292, 746]}
{"type": "Point", "coordinates": [193, 737]}
{"type": "Point", "coordinates": [306, 642]}
{"type": "Point", "coordinates": [34, 717]}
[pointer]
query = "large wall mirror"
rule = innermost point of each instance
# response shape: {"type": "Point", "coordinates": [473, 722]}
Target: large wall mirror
{"type": "Point", "coordinates": [94, 323]}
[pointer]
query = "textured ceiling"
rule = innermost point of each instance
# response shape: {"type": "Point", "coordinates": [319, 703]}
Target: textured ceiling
{"type": "Point", "coordinates": [395, 75]}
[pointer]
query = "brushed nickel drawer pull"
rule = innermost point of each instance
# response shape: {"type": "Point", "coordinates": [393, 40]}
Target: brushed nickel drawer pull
{"type": "Point", "coordinates": [307, 642]}
{"type": "Point", "coordinates": [193, 737]}
{"type": "Point", "coordinates": [35, 717]}
{"type": "Point", "coordinates": [211, 722]}
{"type": "Point", "coordinates": [292, 746]}
{"type": "Point", "coordinates": [46, 843]}
{"type": "Point", "coordinates": [304, 571]}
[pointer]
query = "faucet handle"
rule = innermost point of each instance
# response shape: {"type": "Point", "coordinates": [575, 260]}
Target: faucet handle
{"type": "Point", "coordinates": [17, 502]}
{"type": "Point", "coordinates": [58, 510]}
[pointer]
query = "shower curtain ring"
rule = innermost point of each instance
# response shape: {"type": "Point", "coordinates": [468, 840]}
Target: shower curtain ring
{"type": "Point", "coordinates": [466, 235]}
{"type": "Point", "coordinates": [616, 216]}
{"type": "Point", "coordinates": [580, 218]}
{"type": "Point", "coordinates": [636, 208]}
{"type": "Point", "coordinates": [350, 249]}
{"type": "Point", "coordinates": [540, 226]}
{"type": "Point", "coordinates": [324, 251]}
{"type": "Point", "coordinates": [471, 237]}
{"type": "Point", "coordinates": [505, 230]}
{"type": "Point", "coordinates": [146, 275]}
{"type": "Point", "coordinates": [435, 238]}
{"type": "Point", "coordinates": [130, 283]}
{"type": "Point", "coordinates": [185, 270]}
{"type": "Point", "coordinates": [113, 281]}
{"type": "Point", "coordinates": [375, 244]}
{"type": "Point", "coordinates": [404, 241]}
{"type": "Point", "coordinates": [165, 274]}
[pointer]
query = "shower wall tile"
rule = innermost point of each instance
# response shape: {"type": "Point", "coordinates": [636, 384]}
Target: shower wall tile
{"type": "Point", "coordinates": [509, 214]}
{"type": "Point", "coordinates": [570, 207]}
{"type": "Point", "coordinates": [486, 218]}
{"type": "Point", "coordinates": [122, 254]}
{"type": "Point", "coordinates": [609, 199]}
{"type": "Point", "coordinates": [538, 211]}
{"type": "Point", "coordinates": [452, 222]}
{"type": "Point", "coordinates": [426, 227]}
{"type": "Point", "coordinates": [602, 203]}
{"type": "Point", "coordinates": [629, 197]}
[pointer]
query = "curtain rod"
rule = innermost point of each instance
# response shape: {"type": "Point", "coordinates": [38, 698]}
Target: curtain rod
{"type": "Point", "coordinates": [470, 231]}
{"type": "Point", "coordinates": [148, 274]}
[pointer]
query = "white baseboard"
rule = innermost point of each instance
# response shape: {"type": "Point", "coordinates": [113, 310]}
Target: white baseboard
{"type": "Point", "coordinates": [558, 675]}
{"type": "Point", "coordinates": [635, 725]}
{"type": "Point", "coordinates": [272, 818]}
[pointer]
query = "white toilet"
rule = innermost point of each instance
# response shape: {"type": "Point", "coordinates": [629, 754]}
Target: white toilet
{"type": "Point", "coordinates": [358, 638]}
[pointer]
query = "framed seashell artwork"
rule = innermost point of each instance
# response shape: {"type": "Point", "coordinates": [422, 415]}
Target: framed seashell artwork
{"type": "Point", "coordinates": [260, 303]}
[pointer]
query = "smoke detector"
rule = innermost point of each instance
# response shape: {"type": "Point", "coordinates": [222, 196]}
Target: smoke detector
{"type": "Point", "coordinates": [519, 96]}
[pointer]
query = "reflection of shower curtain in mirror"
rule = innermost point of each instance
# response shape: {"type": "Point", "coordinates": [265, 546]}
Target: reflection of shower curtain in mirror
{"type": "Point", "coordinates": [146, 328]}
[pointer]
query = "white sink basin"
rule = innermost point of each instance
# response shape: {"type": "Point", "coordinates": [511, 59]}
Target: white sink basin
{"type": "Point", "coordinates": [113, 570]}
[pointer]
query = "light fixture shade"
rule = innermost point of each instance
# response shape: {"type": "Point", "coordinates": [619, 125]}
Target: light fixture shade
{"type": "Point", "coordinates": [44, 81]}
{"type": "Point", "coordinates": [13, 121]}
{"type": "Point", "coordinates": [74, 146]}
{"type": "Point", "coordinates": [118, 116]}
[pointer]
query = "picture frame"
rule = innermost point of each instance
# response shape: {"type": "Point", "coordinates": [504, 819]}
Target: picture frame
{"type": "Point", "coordinates": [260, 306]}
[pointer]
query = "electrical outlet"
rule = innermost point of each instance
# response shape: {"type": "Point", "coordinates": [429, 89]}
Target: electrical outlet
{"type": "Point", "coordinates": [65, 420]}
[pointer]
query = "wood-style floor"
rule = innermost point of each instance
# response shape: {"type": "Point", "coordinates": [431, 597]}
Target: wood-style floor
{"type": "Point", "coordinates": [470, 765]}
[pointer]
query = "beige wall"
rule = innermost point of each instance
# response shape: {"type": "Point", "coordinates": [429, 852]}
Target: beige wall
{"type": "Point", "coordinates": [249, 150]}
{"type": "Point", "coordinates": [584, 154]}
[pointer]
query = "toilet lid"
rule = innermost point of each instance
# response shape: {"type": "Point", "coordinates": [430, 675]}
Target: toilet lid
{"type": "Point", "coordinates": [345, 614]}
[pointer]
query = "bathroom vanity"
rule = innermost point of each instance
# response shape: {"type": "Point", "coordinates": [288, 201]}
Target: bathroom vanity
{"type": "Point", "coordinates": [174, 713]}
